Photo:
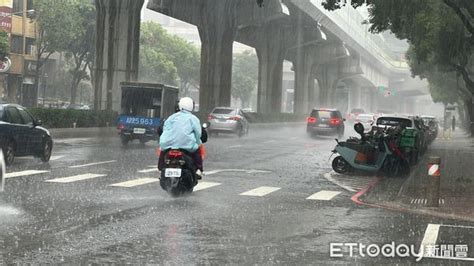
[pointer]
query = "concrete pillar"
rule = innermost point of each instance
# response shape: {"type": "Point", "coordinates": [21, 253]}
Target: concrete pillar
{"type": "Point", "coordinates": [313, 94]}
{"type": "Point", "coordinates": [271, 53]}
{"type": "Point", "coordinates": [217, 29]}
{"type": "Point", "coordinates": [117, 48]}
{"type": "Point", "coordinates": [327, 80]}
{"type": "Point", "coordinates": [354, 97]}
{"type": "Point", "coordinates": [303, 75]}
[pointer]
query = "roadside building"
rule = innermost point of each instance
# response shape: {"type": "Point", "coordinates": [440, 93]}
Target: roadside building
{"type": "Point", "coordinates": [17, 83]}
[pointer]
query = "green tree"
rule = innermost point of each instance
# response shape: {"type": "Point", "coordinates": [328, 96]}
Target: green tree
{"type": "Point", "coordinates": [57, 26]}
{"type": "Point", "coordinates": [166, 58]}
{"type": "Point", "coordinates": [80, 49]}
{"type": "Point", "coordinates": [4, 45]}
{"type": "Point", "coordinates": [244, 76]}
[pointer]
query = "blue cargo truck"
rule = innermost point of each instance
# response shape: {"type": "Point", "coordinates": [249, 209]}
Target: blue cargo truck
{"type": "Point", "coordinates": [143, 107]}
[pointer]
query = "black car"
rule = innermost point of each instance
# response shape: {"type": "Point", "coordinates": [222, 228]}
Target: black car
{"type": "Point", "coordinates": [325, 122]}
{"type": "Point", "coordinates": [22, 135]}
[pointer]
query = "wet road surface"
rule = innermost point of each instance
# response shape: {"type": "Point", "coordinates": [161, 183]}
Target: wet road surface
{"type": "Point", "coordinates": [265, 200]}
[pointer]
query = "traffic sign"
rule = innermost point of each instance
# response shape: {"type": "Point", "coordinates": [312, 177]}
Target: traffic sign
{"type": "Point", "coordinates": [5, 65]}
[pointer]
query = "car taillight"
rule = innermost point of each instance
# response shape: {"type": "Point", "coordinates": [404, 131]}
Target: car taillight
{"type": "Point", "coordinates": [311, 120]}
{"type": "Point", "coordinates": [210, 117]}
{"type": "Point", "coordinates": [175, 154]}
{"type": "Point", "coordinates": [235, 118]}
{"type": "Point", "coordinates": [335, 121]}
{"type": "Point", "coordinates": [121, 126]}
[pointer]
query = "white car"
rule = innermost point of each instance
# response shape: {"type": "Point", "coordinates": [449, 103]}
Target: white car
{"type": "Point", "coordinates": [367, 120]}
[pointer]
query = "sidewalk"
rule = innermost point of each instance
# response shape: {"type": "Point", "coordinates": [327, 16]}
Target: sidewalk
{"type": "Point", "coordinates": [457, 182]}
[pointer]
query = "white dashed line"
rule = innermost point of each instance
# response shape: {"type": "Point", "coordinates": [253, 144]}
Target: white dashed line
{"type": "Point", "coordinates": [56, 157]}
{"type": "Point", "coordinates": [205, 185]}
{"type": "Point", "coordinates": [324, 195]}
{"type": "Point", "coordinates": [260, 191]}
{"type": "Point", "coordinates": [235, 146]}
{"type": "Point", "coordinates": [431, 235]}
{"type": "Point", "coordinates": [75, 178]}
{"type": "Point", "coordinates": [135, 182]}
{"type": "Point", "coordinates": [149, 170]}
{"type": "Point", "coordinates": [25, 173]}
{"type": "Point", "coordinates": [91, 164]}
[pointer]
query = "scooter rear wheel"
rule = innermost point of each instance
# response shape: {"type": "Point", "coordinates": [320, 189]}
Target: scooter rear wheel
{"type": "Point", "coordinates": [340, 166]}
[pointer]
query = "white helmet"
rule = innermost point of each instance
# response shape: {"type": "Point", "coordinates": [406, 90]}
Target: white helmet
{"type": "Point", "coordinates": [186, 103]}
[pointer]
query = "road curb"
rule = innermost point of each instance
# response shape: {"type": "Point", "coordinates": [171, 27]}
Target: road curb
{"type": "Point", "coordinates": [82, 132]}
{"type": "Point", "coordinates": [399, 207]}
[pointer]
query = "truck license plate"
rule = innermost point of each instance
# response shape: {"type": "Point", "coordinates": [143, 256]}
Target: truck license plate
{"type": "Point", "coordinates": [139, 131]}
{"type": "Point", "coordinates": [172, 172]}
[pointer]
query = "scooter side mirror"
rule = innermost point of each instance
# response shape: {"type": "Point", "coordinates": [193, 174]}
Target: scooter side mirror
{"type": "Point", "coordinates": [359, 128]}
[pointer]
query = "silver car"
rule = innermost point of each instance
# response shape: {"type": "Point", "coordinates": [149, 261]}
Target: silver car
{"type": "Point", "coordinates": [228, 120]}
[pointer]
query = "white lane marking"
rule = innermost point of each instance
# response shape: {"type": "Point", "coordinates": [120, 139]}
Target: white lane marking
{"type": "Point", "coordinates": [25, 173]}
{"type": "Point", "coordinates": [2, 172]}
{"type": "Point", "coordinates": [90, 164]}
{"type": "Point", "coordinates": [75, 178]}
{"type": "Point", "coordinates": [329, 177]}
{"type": "Point", "coordinates": [250, 171]}
{"type": "Point", "coordinates": [293, 138]}
{"type": "Point", "coordinates": [270, 141]}
{"type": "Point", "coordinates": [260, 191]}
{"type": "Point", "coordinates": [460, 226]}
{"type": "Point", "coordinates": [235, 146]}
{"type": "Point", "coordinates": [205, 185]}
{"type": "Point", "coordinates": [324, 195]}
{"type": "Point", "coordinates": [430, 237]}
{"type": "Point", "coordinates": [149, 170]}
{"type": "Point", "coordinates": [135, 182]}
{"type": "Point", "coordinates": [56, 157]}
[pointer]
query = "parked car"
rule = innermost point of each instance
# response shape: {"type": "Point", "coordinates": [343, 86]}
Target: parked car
{"type": "Point", "coordinates": [78, 106]}
{"type": "Point", "coordinates": [367, 120]}
{"type": "Point", "coordinates": [352, 116]}
{"type": "Point", "coordinates": [433, 126]}
{"type": "Point", "coordinates": [22, 135]}
{"type": "Point", "coordinates": [325, 122]}
{"type": "Point", "coordinates": [227, 120]}
{"type": "Point", "coordinates": [423, 128]}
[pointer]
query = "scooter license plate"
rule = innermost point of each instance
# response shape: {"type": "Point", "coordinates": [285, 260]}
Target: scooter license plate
{"type": "Point", "coordinates": [172, 172]}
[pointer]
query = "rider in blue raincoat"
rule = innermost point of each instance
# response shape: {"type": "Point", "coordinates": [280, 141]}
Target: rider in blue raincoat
{"type": "Point", "coordinates": [182, 130]}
